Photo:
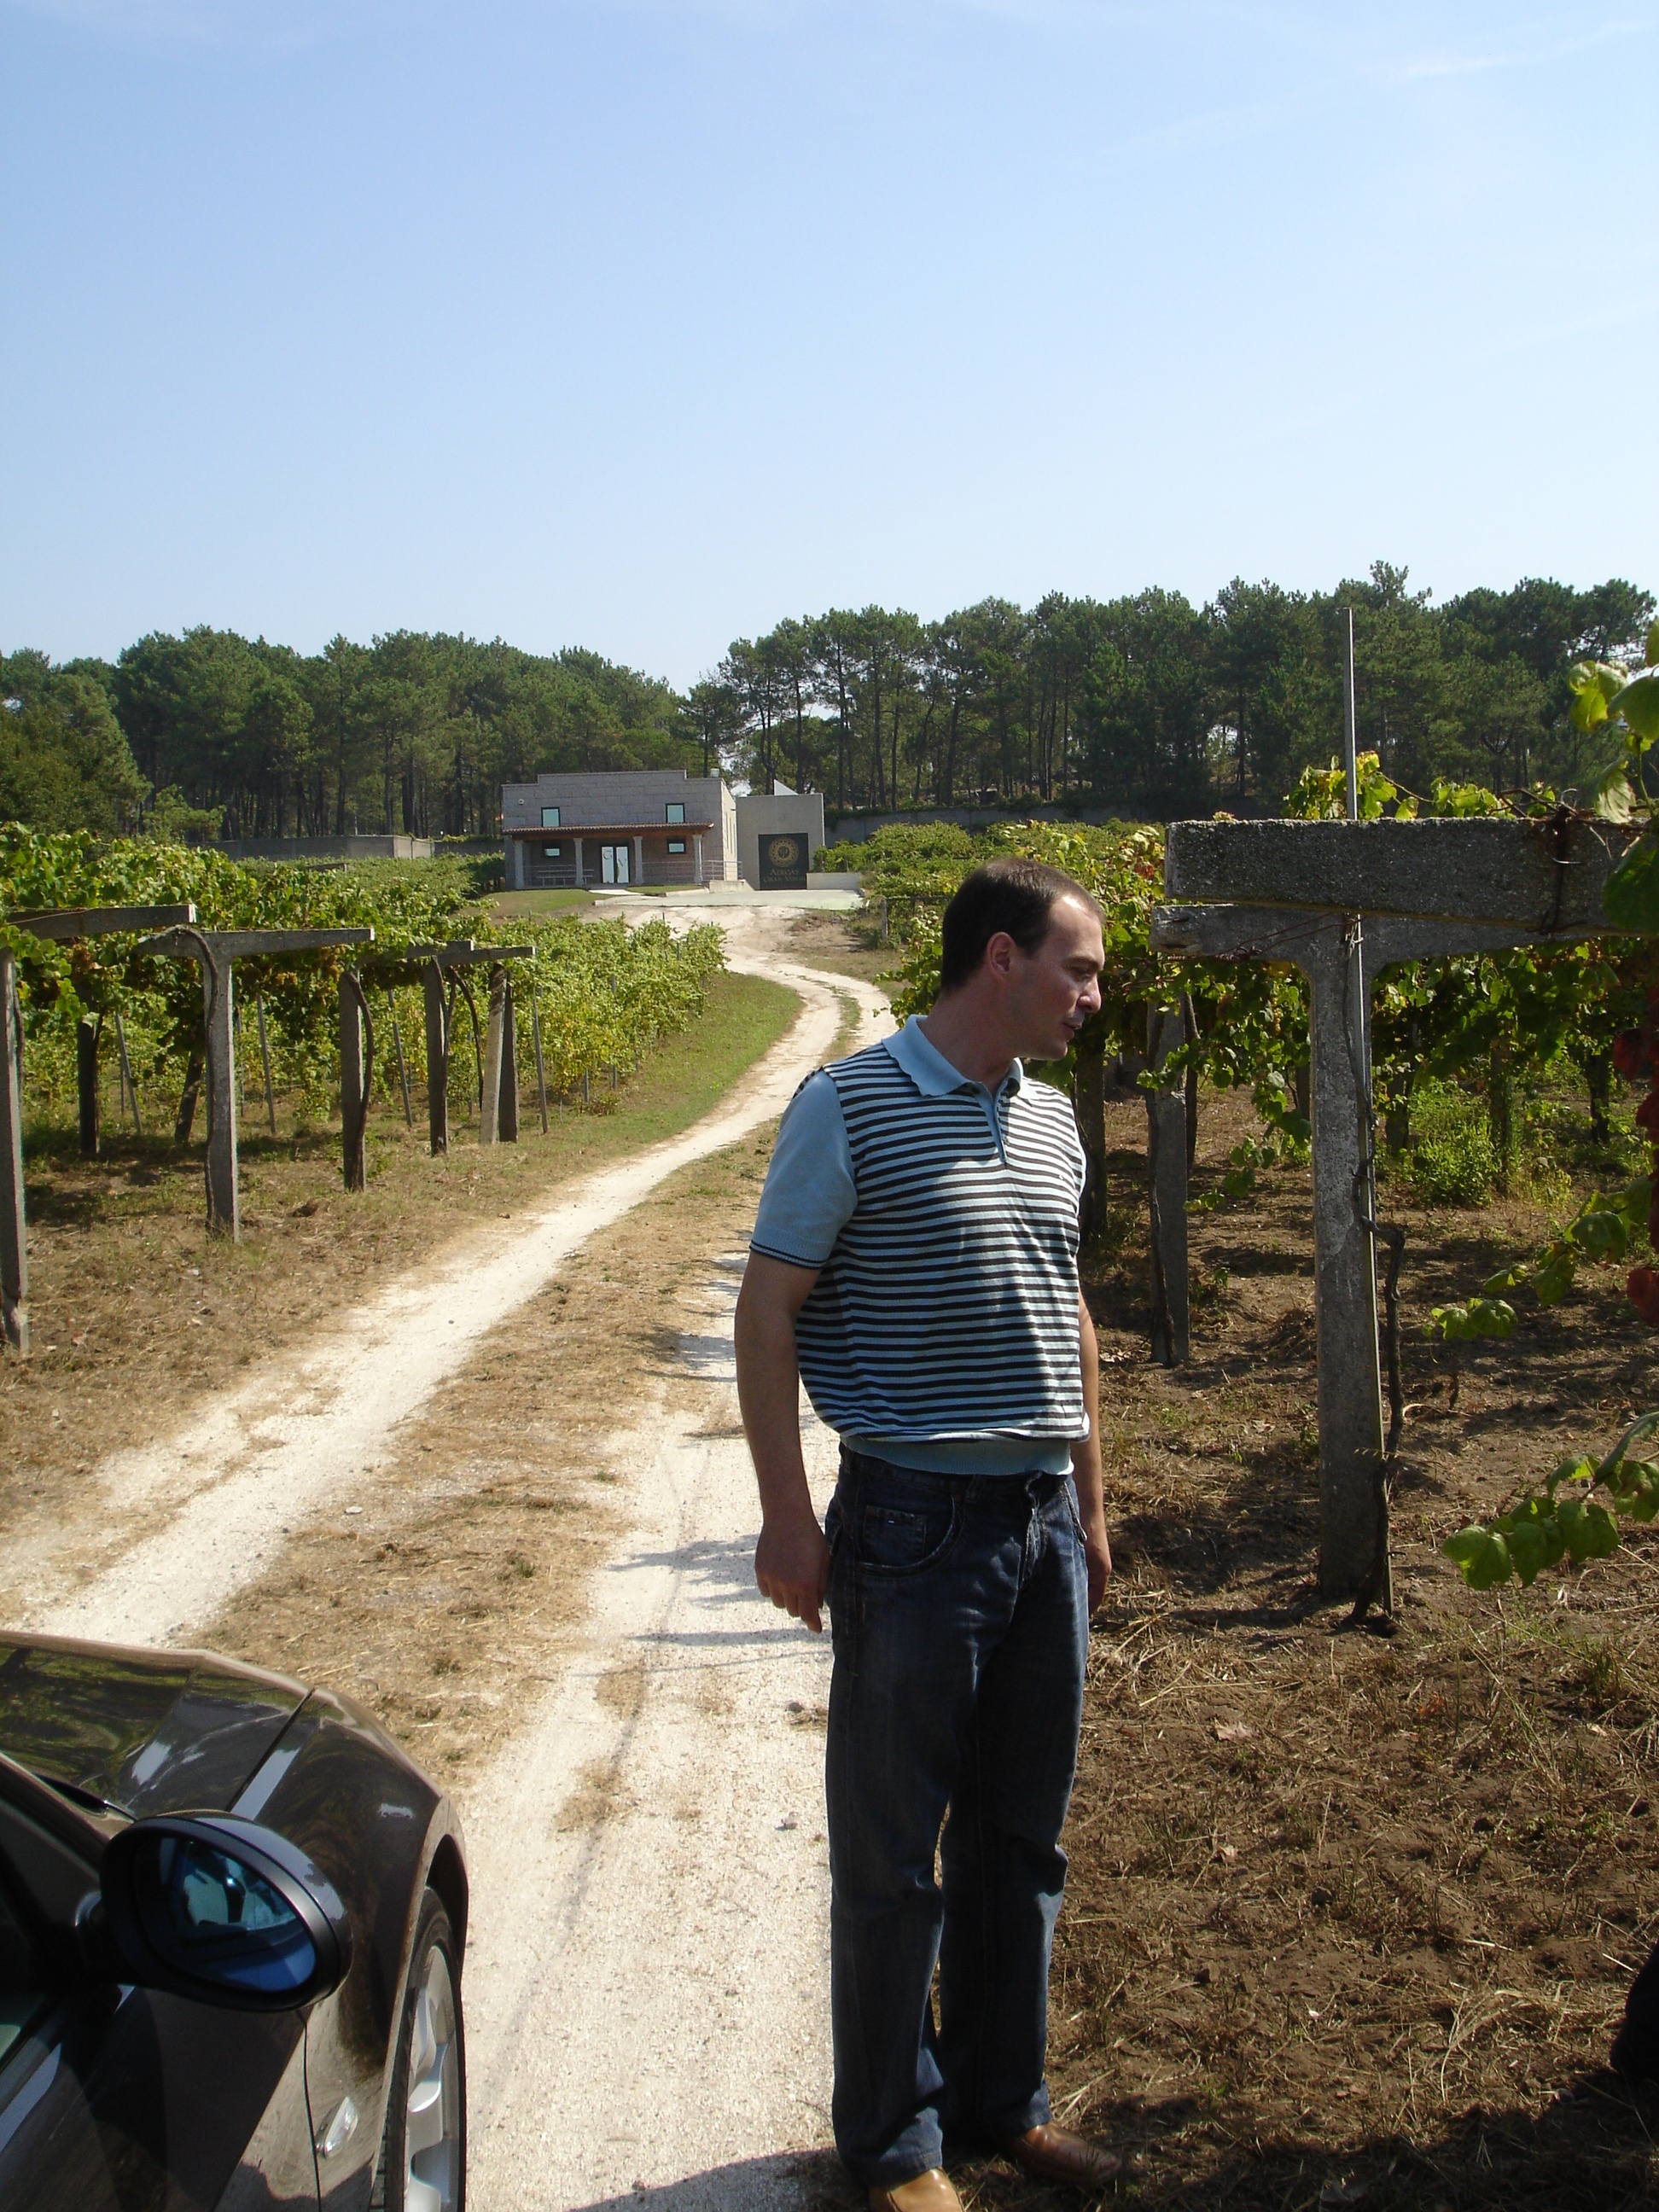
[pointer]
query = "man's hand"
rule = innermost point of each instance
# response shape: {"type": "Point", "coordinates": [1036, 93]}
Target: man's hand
{"type": "Point", "coordinates": [792, 1560]}
{"type": "Point", "coordinates": [792, 1566]}
{"type": "Point", "coordinates": [1097, 1552]}
{"type": "Point", "coordinates": [1086, 1473]}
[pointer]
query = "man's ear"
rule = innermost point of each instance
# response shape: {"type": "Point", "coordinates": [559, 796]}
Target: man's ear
{"type": "Point", "coordinates": [999, 954]}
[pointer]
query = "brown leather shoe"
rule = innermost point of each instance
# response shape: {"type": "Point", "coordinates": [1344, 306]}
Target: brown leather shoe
{"type": "Point", "coordinates": [1052, 2153]}
{"type": "Point", "coordinates": [923, 2192]}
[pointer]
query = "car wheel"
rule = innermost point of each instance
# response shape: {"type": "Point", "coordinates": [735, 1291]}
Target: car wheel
{"type": "Point", "coordinates": [422, 2166]}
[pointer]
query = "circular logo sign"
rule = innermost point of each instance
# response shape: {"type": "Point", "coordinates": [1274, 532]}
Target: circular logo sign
{"type": "Point", "coordinates": [782, 852]}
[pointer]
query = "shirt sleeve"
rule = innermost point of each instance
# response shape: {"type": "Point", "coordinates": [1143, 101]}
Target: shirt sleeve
{"type": "Point", "coordinates": [809, 1191]}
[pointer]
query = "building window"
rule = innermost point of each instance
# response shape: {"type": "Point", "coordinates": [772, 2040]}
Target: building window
{"type": "Point", "coordinates": [675, 809]}
{"type": "Point", "coordinates": [676, 844]}
{"type": "Point", "coordinates": [552, 851]}
{"type": "Point", "coordinates": [550, 817]}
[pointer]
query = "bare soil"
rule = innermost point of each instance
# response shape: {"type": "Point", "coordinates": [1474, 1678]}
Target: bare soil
{"type": "Point", "coordinates": [844, 945]}
{"type": "Point", "coordinates": [1351, 1918]}
{"type": "Point", "coordinates": [136, 1314]}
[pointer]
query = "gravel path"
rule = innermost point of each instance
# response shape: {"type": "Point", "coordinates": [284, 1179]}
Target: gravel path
{"type": "Point", "coordinates": [647, 1978]}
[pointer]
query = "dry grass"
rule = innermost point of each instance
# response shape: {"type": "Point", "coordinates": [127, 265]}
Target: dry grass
{"type": "Point", "coordinates": [1347, 1912]}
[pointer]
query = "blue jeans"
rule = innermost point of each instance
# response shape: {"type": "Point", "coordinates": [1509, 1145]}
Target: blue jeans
{"type": "Point", "coordinates": [960, 1612]}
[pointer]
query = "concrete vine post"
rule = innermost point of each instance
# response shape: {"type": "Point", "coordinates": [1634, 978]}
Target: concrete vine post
{"type": "Point", "coordinates": [1295, 892]}
{"type": "Point", "coordinates": [217, 951]}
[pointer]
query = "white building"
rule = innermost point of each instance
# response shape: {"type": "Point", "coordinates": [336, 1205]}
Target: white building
{"type": "Point", "coordinates": [656, 826]}
{"type": "Point", "coordinates": [626, 826]}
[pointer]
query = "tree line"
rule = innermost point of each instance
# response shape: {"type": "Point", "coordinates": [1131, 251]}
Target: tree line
{"type": "Point", "coordinates": [1148, 704]}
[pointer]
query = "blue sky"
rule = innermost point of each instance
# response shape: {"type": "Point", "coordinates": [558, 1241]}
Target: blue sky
{"type": "Point", "coordinates": [641, 326]}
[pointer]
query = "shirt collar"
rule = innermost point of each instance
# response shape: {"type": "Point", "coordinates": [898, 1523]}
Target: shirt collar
{"type": "Point", "coordinates": [930, 1071]}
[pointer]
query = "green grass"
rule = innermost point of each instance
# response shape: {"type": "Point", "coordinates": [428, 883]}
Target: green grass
{"type": "Point", "coordinates": [506, 903]}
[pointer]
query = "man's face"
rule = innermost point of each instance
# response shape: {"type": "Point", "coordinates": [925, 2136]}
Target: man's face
{"type": "Point", "coordinates": [1055, 989]}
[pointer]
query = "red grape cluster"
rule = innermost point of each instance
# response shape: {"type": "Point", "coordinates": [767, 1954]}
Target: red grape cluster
{"type": "Point", "coordinates": [1636, 1055]}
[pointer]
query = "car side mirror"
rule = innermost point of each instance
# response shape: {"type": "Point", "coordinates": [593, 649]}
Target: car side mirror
{"type": "Point", "coordinates": [220, 1911]}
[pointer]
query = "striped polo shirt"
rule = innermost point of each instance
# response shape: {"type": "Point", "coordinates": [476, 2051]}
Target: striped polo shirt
{"type": "Point", "coordinates": [942, 1332]}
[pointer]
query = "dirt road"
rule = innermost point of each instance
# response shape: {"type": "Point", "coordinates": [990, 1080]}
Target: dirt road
{"type": "Point", "coordinates": [649, 1980]}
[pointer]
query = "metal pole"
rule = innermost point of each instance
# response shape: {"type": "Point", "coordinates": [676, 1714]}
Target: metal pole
{"type": "Point", "coordinates": [1350, 734]}
{"type": "Point", "coordinates": [126, 1073]}
{"type": "Point", "coordinates": [437, 1059]}
{"type": "Point", "coordinates": [13, 1231]}
{"type": "Point", "coordinates": [541, 1069]}
{"type": "Point", "coordinates": [354, 1095]}
{"type": "Point", "coordinates": [507, 1125]}
{"type": "Point", "coordinates": [85, 1081]}
{"type": "Point", "coordinates": [490, 1083]}
{"type": "Point", "coordinates": [403, 1065]}
{"type": "Point", "coordinates": [264, 1061]}
{"type": "Point", "coordinates": [236, 1054]}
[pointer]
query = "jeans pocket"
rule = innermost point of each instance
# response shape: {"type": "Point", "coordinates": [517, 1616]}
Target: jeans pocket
{"type": "Point", "coordinates": [894, 1540]}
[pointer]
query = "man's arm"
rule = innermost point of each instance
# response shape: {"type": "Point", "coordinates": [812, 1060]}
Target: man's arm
{"type": "Point", "coordinates": [792, 1560]}
{"type": "Point", "coordinates": [1086, 1471]}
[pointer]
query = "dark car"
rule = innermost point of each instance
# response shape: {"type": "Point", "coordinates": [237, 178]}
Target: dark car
{"type": "Point", "coordinates": [232, 1921]}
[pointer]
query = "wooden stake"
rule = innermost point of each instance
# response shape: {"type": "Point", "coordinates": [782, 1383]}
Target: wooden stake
{"type": "Point", "coordinates": [85, 1081]}
{"type": "Point", "coordinates": [187, 1097]}
{"type": "Point", "coordinates": [403, 1065]}
{"type": "Point", "coordinates": [126, 1066]}
{"type": "Point", "coordinates": [14, 1229]}
{"type": "Point", "coordinates": [224, 1213]}
{"type": "Point", "coordinates": [507, 1125]}
{"type": "Point", "coordinates": [437, 1061]}
{"type": "Point", "coordinates": [1166, 1167]}
{"type": "Point", "coordinates": [264, 1062]}
{"type": "Point", "coordinates": [541, 1066]}
{"type": "Point", "coordinates": [490, 1083]}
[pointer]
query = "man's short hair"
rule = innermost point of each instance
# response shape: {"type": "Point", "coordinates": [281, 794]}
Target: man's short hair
{"type": "Point", "coordinates": [1015, 896]}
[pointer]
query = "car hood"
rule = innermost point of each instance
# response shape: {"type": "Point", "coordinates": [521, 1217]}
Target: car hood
{"type": "Point", "coordinates": [149, 1731]}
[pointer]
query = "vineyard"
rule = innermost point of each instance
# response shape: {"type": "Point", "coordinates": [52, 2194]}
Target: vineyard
{"type": "Point", "coordinates": [601, 995]}
{"type": "Point", "coordinates": [1355, 1919]}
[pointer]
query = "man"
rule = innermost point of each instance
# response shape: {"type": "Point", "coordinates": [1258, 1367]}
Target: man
{"type": "Point", "coordinates": [915, 1262]}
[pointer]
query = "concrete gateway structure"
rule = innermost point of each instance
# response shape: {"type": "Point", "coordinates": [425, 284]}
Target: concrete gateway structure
{"type": "Point", "coordinates": [630, 826]}
{"type": "Point", "coordinates": [656, 826]}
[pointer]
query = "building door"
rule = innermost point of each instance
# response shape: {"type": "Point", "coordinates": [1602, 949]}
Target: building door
{"type": "Point", "coordinates": [614, 862]}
